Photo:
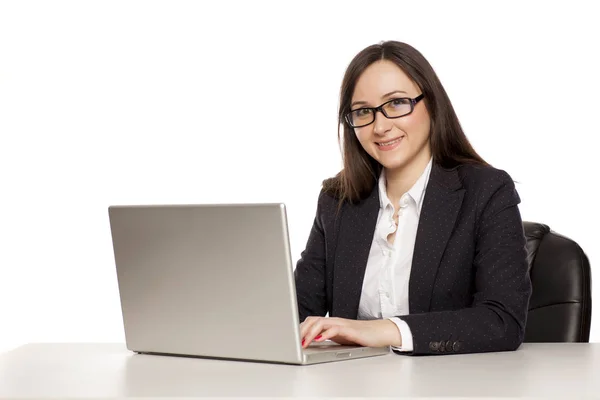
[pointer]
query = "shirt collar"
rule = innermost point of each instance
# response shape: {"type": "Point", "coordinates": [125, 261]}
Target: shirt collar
{"type": "Point", "coordinates": [416, 192]}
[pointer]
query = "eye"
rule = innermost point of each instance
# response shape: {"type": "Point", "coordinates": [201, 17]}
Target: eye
{"type": "Point", "coordinates": [399, 102]}
{"type": "Point", "coordinates": [362, 112]}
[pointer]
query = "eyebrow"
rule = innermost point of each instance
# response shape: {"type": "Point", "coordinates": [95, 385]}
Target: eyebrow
{"type": "Point", "coordinates": [383, 97]}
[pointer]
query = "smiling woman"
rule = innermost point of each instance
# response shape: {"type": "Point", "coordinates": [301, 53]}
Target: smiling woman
{"type": "Point", "coordinates": [418, 242]}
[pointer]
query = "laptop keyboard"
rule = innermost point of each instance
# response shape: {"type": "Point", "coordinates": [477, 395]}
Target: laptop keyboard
{"type": "Point", "coordinates": [323, 346]}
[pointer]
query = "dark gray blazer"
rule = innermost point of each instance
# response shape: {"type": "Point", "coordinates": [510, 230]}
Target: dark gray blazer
{"type": "Point", "coordinates": [469, 285]}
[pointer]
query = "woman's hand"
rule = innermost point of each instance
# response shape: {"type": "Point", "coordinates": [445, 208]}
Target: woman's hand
{"type": "Point", "coordinates": [373, 333]}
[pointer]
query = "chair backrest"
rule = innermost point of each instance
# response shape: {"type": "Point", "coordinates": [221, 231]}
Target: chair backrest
{"type": "Point", "coordinates": [561, 303]}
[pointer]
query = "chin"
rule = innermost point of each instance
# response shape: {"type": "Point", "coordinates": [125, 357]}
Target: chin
{"type": "Point", "coordinates": [398, 161]}
{"type": "Point", "coordinates": [396, 164]}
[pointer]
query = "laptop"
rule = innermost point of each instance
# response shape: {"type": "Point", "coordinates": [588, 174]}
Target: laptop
{"type": "Point", "coordinates": [213, 281]}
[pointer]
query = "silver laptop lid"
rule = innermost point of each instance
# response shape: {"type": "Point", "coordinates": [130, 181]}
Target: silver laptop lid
{"type": "Point", "coordinates": [188, 277]}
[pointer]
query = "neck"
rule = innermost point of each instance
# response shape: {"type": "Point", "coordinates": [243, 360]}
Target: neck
{"type": "Point", "coordinates": [400, 180]}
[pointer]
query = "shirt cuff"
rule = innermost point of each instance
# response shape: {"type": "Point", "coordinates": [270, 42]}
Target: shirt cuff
{"type": "Point", "coordinates": [405, 333]}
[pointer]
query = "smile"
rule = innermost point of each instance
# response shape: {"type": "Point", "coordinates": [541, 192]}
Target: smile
{"type": "Point", "coordinates": [391, 142]}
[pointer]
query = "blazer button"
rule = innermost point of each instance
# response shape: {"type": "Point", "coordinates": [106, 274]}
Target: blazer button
{"type": "Point", "coordinates": [433, 346]}
{"type": "Point", "coordinates": [448, 346]}
{"type": "Point", "coordinates": [442, 346]}
{"type": "Point", "coordinates": [456, 346]}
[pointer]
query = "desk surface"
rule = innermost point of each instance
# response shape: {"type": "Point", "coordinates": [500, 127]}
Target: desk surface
{"type": "Point", "coordinates": [82, 371]}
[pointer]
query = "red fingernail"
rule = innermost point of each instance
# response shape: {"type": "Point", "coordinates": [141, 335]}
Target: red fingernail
{"type": "Point", "coordinates": [318, 337]}
{"type": "Point", "coordinates": [302, 342]}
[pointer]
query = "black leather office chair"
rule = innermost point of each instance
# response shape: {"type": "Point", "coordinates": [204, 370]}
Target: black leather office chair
{"type": "Point", "coordinates": [561, 303]}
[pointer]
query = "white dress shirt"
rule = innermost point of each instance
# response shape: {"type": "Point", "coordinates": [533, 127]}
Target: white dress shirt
{"type": "Point", "coordinates": [385, 286]}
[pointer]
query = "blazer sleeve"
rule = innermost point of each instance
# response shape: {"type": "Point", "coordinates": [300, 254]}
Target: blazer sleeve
{"type": "Point", "coordinates": [310, 275]}
{"type": "Point", "coordinates": [502, 288]}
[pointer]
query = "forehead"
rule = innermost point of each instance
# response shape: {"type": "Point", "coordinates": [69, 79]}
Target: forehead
{"type": "Point", "coordinates": [380, 78]}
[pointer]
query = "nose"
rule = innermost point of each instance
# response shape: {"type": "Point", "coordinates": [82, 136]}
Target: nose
{"type": "Point", "coordinates": [381, 124]}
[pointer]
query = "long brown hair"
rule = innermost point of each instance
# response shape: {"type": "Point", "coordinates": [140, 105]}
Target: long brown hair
{"type": "Point", "coordinates": [449, 145]}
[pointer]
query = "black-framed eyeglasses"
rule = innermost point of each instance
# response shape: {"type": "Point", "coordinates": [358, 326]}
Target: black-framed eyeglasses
{"type": "Point", "coordinates": [394, 108]}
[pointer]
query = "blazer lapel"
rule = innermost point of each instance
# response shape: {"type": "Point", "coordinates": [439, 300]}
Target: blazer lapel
{"type": "Point", "coordinates": [442, 202]}
{"type": "Point", "coordinates": [355, 236]}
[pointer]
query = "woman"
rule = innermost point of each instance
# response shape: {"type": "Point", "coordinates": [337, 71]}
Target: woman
{"type": "Point", "coordinates": [417, 243]}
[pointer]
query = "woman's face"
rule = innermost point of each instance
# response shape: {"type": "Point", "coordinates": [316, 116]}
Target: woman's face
{"type": "Point", "coordinates": [380, 82]}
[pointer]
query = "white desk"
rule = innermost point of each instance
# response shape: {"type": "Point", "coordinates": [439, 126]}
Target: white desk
{"type": "Point", "coordinates": [83, 371]}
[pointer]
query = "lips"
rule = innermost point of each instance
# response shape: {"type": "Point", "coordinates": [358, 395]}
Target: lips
{"type": "Point", "coordinates": [389, 142]}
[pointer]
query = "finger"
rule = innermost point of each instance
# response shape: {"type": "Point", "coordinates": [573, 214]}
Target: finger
{"type": "Point", "coordinates": [337, 334]}
{"type": "Point", "coordinates": [306, 325]}
{"type": "Point", "coordinates": [309, 321]}
{"type": "Point", "coordinates": [328, 333]}
{"type": "Point", "coordinates": [314, 331]}
{"type": "Point", "coordinates": [315, 326]}
{"type": "Point", "coordinates": [310, 326]}
{"type": "Point", "coordinates": [340, 334]}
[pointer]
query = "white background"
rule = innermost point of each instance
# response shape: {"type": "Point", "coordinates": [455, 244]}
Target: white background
{"type": "Point", "coordinates": [145, 102]}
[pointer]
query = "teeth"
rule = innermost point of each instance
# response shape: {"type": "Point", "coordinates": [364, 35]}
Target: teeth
{"type": "Point", "coordinates": [388, 143]}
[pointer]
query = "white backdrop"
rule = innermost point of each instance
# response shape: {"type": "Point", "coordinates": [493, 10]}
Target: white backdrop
{"type": "Point", "coordinates": [146, 102]}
